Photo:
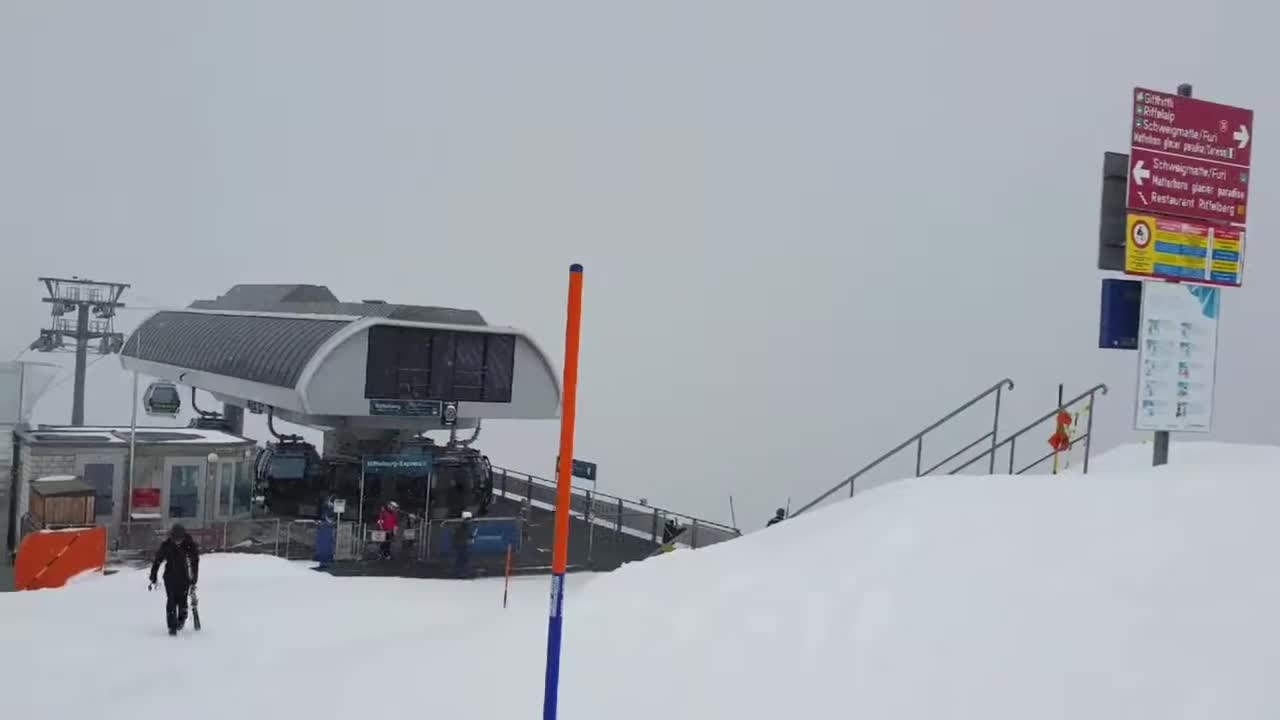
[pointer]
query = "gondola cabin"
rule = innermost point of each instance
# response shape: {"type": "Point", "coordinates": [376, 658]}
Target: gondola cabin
{"type": "Point", "coordinates": [162, 399]}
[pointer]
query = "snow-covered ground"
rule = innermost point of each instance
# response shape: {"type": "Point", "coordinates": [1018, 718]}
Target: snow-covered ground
{"type": "Point", "coordinates": [1130, 593]}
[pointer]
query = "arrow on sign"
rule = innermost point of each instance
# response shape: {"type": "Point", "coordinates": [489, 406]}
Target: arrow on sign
{"type": "Point", "coordinates": [1140, 173]}
{"type": "Point", "coordinates": [1241, 137]}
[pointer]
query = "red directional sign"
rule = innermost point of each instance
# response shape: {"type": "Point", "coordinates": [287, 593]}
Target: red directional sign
{"type": "Point", "coordinates": [1187, 187]}
{"type": "Point", "coordinates": [1193, 128]}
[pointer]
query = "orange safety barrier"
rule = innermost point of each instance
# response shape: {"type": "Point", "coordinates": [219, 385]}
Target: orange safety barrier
{"type": "Point", "coordinates": [49, 558]}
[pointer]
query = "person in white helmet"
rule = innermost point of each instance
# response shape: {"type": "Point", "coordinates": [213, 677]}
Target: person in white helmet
{"type": "Point", "coordinates": [462, 536]}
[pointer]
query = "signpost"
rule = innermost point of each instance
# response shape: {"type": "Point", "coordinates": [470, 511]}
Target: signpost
{"type": "Point", "coordinates": [1188, 200]}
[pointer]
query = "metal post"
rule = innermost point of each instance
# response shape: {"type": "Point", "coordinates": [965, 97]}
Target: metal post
{"type": "Point", "coordinates": [22, 387]}
{"type": "Point", "coordinates": [654, 535]}
{"type": "Point", "coordinates": [919, 454]}
{"type": "Point", "coordinates": [995, 433]}
{"type": "Point", "coordinates": [361, 510]}
{"type": "Point", "coordinates": [1012, 441]}
{"type": "Point", "coordinates": [564, 493]}
{"type": "Point", "coordinates": [1088, 433]}
{"type": "Point", "coordinates": [589, 515]}
{"type": "Point", "coordinates": [693, 535]}
{"type": "Point", "coordinates": [618, 531]}
{"type": "Point", "coordinates": [1160, 453]}
{"type": "Point", "coordinates": [82, 351]}
{"type": "Point", "coordinates": [133, 436]}
{"type": "Point", "coordinates": [1160, 448]}
{"type": "Point", "coordinates": [1056, 425]}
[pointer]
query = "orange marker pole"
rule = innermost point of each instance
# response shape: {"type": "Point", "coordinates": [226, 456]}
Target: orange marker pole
{"type": "Point", "coordinates": [564, 486]}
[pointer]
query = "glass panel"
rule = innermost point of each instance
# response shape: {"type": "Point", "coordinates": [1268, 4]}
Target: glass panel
{"type": "Point", "coordinates": [184, 491]}
{"type": "Point", "coordinates": [226, 483]}
{"type": "Point", "coordinates": [102, 477]}
{"type": "Point", "coordinates": [244, 489]}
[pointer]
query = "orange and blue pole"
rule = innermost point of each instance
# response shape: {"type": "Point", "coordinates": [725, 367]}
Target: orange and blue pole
{"type": "Point", "coordinates": [564, 491]}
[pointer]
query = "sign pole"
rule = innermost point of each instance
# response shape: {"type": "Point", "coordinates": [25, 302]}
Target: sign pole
{"type": "Point", "coordinates": [1160, 448]}
{"type": "Point", "coordinates": [564, 489]}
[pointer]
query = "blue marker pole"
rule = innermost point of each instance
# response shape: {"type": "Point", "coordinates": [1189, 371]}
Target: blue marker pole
{"type": "Point", "coordinates": [564, 486]}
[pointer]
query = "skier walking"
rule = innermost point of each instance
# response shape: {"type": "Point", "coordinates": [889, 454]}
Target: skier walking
{"type": "Point", "coordinates": [388, 521]}
{"type": "Point", "coordinates": [777, 517]}
{"type": "Point", "coordinates": [181, 559]}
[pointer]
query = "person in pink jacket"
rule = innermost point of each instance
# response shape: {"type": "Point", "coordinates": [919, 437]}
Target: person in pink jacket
{"type": "Point", "coordinates": [388, 522]}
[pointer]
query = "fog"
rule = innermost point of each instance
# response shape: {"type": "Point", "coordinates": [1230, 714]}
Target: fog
{"type": "Point", "coordinates": [808, 227]}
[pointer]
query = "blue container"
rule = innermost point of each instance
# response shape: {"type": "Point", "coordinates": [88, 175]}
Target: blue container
{"type": "Point", "coordinates": [326, 540]}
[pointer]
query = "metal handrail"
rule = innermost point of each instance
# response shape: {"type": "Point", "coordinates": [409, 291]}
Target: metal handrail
{"type": "Point", "coordinates": [918, 439]}
{"type": "Point", "coordinates": [1011, 441]}
{"type": "Point", "coordinates": [625, 502]}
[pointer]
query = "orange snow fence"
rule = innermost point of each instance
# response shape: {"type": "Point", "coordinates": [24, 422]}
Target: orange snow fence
{"type": "Point", "coordinates": [48, 559]}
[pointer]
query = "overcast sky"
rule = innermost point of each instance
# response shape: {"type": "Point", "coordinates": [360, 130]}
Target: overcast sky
{"type": "Point", "coordinates": [808, 227]}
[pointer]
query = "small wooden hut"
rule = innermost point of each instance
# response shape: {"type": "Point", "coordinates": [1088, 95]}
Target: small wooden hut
{"type": "Point", "coordinates": [62, 501]}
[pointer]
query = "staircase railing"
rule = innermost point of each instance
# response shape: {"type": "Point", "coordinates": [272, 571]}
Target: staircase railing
{"type": "Point", "coordinates": [1012, 440]}
{"type": "Point", "coordinates": [918, 441]}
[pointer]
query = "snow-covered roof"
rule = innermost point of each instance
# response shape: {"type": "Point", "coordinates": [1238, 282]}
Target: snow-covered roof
{"type": "Point", "coordinates": [147, 436]}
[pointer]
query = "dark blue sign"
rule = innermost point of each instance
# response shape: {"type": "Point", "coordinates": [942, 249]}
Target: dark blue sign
{"type": "Point", "coordinates": [405, 408]}
{"type": "Point", "coordinates": [490, 537]}
{"type": "Point", "coordinates": [405, 465]}
{"type": "Point", "coordinates": [581, 469]}
{"type": "Point", "coordinates": [1121, 314]}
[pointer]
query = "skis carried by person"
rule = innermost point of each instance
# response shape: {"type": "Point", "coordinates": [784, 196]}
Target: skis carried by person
{"type": "Point", "coordinates": [195, 610]}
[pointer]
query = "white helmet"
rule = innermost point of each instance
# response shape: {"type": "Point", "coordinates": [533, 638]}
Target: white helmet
{"type": "Point", "coordinates": [466, 514]}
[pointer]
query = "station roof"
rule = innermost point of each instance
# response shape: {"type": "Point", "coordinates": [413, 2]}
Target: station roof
{"type": "Point", "coordinates": [266, 333]}
{"type": "Point", "coordinates": [297, 349]}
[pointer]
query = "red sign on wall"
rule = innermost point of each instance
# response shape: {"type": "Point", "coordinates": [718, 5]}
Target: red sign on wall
{"type": "Point", "coordinates": [146, 499]}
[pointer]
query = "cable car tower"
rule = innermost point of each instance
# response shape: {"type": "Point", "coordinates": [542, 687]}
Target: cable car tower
{"type": "Point", "coordinates": [85, 298]}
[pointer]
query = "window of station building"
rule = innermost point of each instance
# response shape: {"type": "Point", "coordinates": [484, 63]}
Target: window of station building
{"type": "Point", "coordinates": [421, 364]}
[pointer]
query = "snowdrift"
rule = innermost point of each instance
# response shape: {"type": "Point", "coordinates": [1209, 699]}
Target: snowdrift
{"type": "Point", "coordinates": [1129, 594]}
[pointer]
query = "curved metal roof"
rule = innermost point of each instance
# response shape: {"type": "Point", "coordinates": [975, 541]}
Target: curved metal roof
{"type": "Point", "coordinates": [271, 350]}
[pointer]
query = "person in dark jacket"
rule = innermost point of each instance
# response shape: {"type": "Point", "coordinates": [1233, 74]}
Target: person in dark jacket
{"type": "Point", "coordinates": [777, 517]}
{"type": "Point", "coordinates": [462, 535]}
{"type": "Point", "coordinates": [181, 559]}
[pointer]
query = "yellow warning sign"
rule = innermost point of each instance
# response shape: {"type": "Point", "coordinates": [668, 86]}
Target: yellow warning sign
{"type": "Point", "coordinates": [1176, 249]}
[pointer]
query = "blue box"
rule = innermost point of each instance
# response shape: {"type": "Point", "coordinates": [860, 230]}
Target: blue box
{"type": "Point", "coordinates": [1121, 314]}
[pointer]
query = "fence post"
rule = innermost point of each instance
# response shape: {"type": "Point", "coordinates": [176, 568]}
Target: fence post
{"type": "Point", "coordinates": [1012, 441]}
{"type": "Point", "coordinates": [528, 487]}
{"type": "Point", "coordinates": [504, 484]}
{"type": "Point", "coordinates": [654, 536]}
{"type": "Point", "coordinates": [919, 455]}
{"type": "Point", "coordinates": [694, 538]}
{"type": "Point", "coordinates": [276, 550]}
{"type": "Point", "coordinates": [618, 527]}
{"type": "Point", "coordinates": [589, 516]}
{"type": "Point", "coordinates": [995, 432]}
{"type": "Point", "coordinates": [1088, 433]}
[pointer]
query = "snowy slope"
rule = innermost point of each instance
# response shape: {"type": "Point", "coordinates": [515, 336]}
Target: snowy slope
{"type": "Point", "coordinates": [1121, 595]}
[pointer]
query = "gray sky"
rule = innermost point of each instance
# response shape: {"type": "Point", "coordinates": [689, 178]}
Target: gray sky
{"type": "Point", "coordinates": [808, 227]}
